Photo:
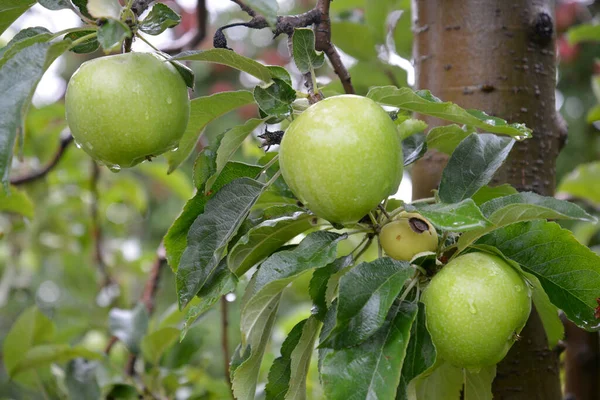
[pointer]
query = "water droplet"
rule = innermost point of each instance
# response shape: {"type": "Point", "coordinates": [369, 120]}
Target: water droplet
{"type": "Point", "coordinates": [169, 100]}
{"type": "Point", "coordinates": [472, 307]}
{"type": "Point", "coordinates": [77, 144]}
{"type": "Point", "coordinates": [89, 145]}
{"type": "Point", "coordinates": [147, 116]}
{"type": "Point", "coordinates": [114, 168]}
{"type": "Point", "coordinates": [175, 149]}
{"type": "Point", "coordinates": [518, 288]}
{"type": "Point", "coordinates": [458, 223]}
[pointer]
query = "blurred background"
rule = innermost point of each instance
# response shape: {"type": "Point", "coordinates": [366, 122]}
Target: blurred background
{"type": "Point", "coordinates": [78, 221]}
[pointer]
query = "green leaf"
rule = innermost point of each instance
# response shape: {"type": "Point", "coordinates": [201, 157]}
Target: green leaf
{"type": "Point", "coordinates": [56, 4]}
{"type": "Point", "coordinates": [44, 355]}
{"type": "Point", "coordinates": [177, 182]}
{"type": "Point", "coordinates": [548, 312]}
{"type": "Point", "coordinates": [176, 238]}
{"type": "Point", "coordinates": [420, 353]}
{"type": "Point", "coordinates": [446, 138]}
{"type": "Point", "coordinates": [262, 240]}
{"type": "Point", "coordinates": [16, 202]}
{"type": "Point", "coordinates": [154, 345]}
{"type": "Point", "coordinates": [248, 356]}
{"type": "Point", "coordinates": [442, 381]}
{"type": "Point", "coordinates": [279, 375]}
{"type": "Point", "coordinates": [568, 271]}
{"type": "Point", "coordinates": [487, 193]}
{"type": "Point", "coordinates": [89, 46]}
{"type": "Point", "coordinates": [27, 33]}
{"type": "Point", "coordinates": [287, 376]}
{"type": "Point", "coordinates": [584, 33]}
{"type": "Point", "coordinates": [104, 9]}
{"type": "Point", "coordinates": [158, 19]}
{"type": "Point", "coordinates": [457, 217]}
{"type": "Point", "coordinates": [263, 293]}
{"type": "Point", "coordinates": [472, 165]}
{"type": "Point", "coordinates": [366, 294]}
{"type": "Point", "coordinates": [112, 33]}
{"type": "Point", "coordinates": [520, 207]}
{"type": "Point", "coordinates": [229, 58]}
{"type": "Point", "coordinates": [303, 50]}
{"type": "Point", "coordinates": [129, 326]}
{"type": "Point", "coordinates": [202, 111]}
{"type": "Point", "coordinates": [10, 10]}
{"type": "Point", "coordinates": [280, 73]}
{"type": "Point", "coordinates": [82, 6]}
{"type": "Point", "coordinates": [275, 99]}
{"type": "Point", "coordinates": [266, 8]}
{"type": "Point", "coordinates": [593, 114]}
{"type": "Point", "coordinates": [354, 39]}
{"type": "Point", "coordinates": [228, 145]}
{"type": "Point", "coordinates": [210, 233]}
{"type": "Point", "coordinates": [19, 77]}
{"type": "Point", "coordinates": [478, 385]}
{"type": "Point", "coordinates": [219, 283]}
{"type": "Point", "coordinates": [186, 73]}
{"type": "Point", "coordinates": [320, 283]}
{"type": "Point", "coordinates": [371, 370]}
{"type": "Point", "coordinates": [410, 126]}
{"type": "Point", "coordinates": [424, 102]}
{"type": "Point", "coordinates": [501, 209]}
{"type": "Point", "coordinates": [31, 329]}
{"type": "Point", "coordinates": [413, 148]}
{"type": "Point", "coordinates": [81, 379]}
{"type": "Point", "coordinates": [300, 359]}
{"type": "Point", "coordinates": [583, 183]}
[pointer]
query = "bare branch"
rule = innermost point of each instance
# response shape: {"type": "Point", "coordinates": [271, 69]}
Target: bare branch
{"type": "Point", "coordinates": [245, 8]}
{"type": "Point", "coordinates": [65, 141]}
{"type": "Point", "coordinates": [225, 338]}
{"type": "Point", "coordinates": [193, 38]}
{"type": "Point", "coordinates": [323, 43]}
{"type": "Point", "coordinates": [97, 228]}
{"type": "Point", "coordinates": [148, 297]}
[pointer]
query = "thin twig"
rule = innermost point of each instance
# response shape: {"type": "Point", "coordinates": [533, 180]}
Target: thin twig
{"type": "Point", "coordinates": [191, 39]}
{"type": "Point", "coordinates": [65, 141]}
{"type": "Point", "coordinates": [245, 8]}
{"type": "Point", "coordinates": [148, 297]}
{"type": "Point", "coordinates": [225, 338]}
{"type": "Point", "coordinates": [97, 236]}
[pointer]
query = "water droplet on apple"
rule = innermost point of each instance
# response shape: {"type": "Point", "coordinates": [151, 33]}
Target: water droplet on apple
{"type": "Point", "coordinates": [518, 288]}
{"type": "Point", "coordinates": [169, 100]}
{"type": "Point", "coordinates": [114, 168]}
{"type": "Point", "coordinates": [147, 116]}
{"type": "Point", "coordinates": [77, 144]}
{"type": "Point", "coordinates": [175, 149]}
{"type": "Point", "coordinates": [89, 145]}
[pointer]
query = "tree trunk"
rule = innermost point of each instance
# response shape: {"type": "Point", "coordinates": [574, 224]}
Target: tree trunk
{"type": "Point", "coordinates": [498, 56]}
{"type": "Point", "coordinates": [582, 364]}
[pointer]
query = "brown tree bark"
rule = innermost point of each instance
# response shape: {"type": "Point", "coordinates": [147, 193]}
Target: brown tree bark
{"type": "Point", "coordinates": [582, 364]}
{"type": "Point", "coordinates": [498, 56]}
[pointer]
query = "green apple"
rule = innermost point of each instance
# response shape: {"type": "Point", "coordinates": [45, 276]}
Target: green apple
{"type": "Point", "coordinates": [126, 108]}
{"type": "Point", "coordinates": [341, 157]}
{"type": "Point", "coordinates": [408, 235]}
{"type": "Point", "coordinates": [475, 308]}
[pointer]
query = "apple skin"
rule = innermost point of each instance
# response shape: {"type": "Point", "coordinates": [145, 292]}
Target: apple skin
{"type": "Point", "coordinates": [341, 157]}
{"type": "Point", "coordinates": [475, 307]}
{"type": "Point", "coordinates": [125, 108]}
{"type": "Point", "coordinates": [400, 241]}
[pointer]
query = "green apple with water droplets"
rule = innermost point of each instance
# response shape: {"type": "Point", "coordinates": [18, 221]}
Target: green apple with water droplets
{"type": "Point", "coordinates": [341, 157]}
{"type": "Point", "coordinates": [475, 308]}
{"type": "Point", "coordinates": [127, 108]}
